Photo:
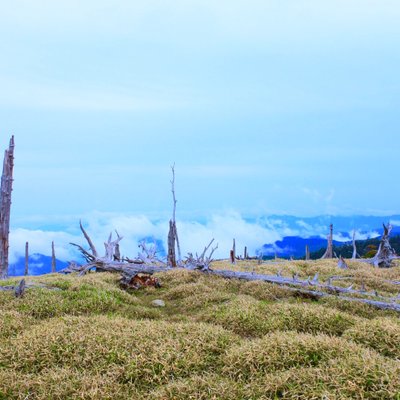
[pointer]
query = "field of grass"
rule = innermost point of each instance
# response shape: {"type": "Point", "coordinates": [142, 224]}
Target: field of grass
{"type": "Point", "coordinates": [214, 339]}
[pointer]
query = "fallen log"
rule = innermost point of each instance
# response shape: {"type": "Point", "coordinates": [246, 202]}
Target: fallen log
{"type": "Point", "coordinates": [293, 283]}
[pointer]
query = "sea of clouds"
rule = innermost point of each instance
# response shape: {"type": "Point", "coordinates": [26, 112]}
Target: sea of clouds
{"type": "Point", "coordinates": [193, 235]}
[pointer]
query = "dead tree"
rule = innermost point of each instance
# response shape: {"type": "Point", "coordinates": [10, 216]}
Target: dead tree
{"type": "Point", "coordinates": [307, 252]}
{"type": "Point", "coordinates": [342, 263]}
{"type": "Point", "coordinates": [53, 258]}
{"type": "Point", "coordinates": [173, 239]}
{"type": "Point", "coordinates": [5, 206]}
{"type": "Point", "coordinates": [233, 252]}
{"type": "Point", "coordinates": [245, 256]}
{"type": "Point", "coordinates": [354, 256]}
{"type": "Point", "coordinates": [329, 250]}
{"type": "Point", "coordinates": [26, 258]}
{"type": "Point", "coordinates": [385, 254]}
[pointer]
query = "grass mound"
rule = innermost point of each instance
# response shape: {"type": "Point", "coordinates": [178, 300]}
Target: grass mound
{"type": "Point", "coordinates": [145, 353]}
{"type": "Point", "coordinates": [91, 294]}
{"type": "Point", "coordinates": [249, 317]}
{"type": "Point", "coordinates": [381, 334]}
{"type": "Point", "coordinates": [293, 365]}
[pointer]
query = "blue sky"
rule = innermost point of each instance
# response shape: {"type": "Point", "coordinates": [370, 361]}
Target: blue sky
{"type": "Point", "coordinates": [266, 107]}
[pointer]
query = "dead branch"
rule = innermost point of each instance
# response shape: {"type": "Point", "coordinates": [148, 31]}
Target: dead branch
{"type": "Point", "coordinates": [90, 243]}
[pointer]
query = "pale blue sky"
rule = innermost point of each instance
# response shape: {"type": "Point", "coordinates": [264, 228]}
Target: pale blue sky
{"type": "Point", "coordinates": [285, 107]}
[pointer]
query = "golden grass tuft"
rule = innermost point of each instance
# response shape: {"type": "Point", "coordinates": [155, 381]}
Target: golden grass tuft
{"type": "Point", "coordinates": [146, 352]}
{"type": "Point", "coordinates": [302, 366]}
{"type": "Point", "coordinates": [249, 317]}
{"type": "Point", "coordinates": [381, 334]}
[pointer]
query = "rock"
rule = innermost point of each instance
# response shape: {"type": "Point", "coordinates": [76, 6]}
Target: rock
{"type": "Point", "coordinates": [158, 303]}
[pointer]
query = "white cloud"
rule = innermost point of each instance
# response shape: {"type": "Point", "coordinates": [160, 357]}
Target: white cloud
{"type": "Point", "coordinates": [193, 235]}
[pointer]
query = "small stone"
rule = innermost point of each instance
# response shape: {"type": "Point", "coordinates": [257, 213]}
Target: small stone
{"type": "Point", "coordinates": [158, 303]}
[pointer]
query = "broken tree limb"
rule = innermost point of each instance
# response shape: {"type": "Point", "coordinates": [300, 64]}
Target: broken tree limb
{"type": "Point", "coordinates": [5, 206]}
{"type": "Point", "coordinates": [90, 243]}
{"type": "Point", "coordinates": [295, 283]}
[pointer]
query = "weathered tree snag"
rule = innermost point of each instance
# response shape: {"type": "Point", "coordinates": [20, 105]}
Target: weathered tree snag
{"type": "Point", "coordinates": [233, 252]}
{"type": "Point", "coordinates": [245, 256]}
{"type": "Point", "coordinates": [53, 258]}
{"type": "Point", "coordinates": [5, 207]}
{"type": "Point", "coordinates": [342, 263]}
{"type": "Point", "coordinates": [173, 238]}
{"type": "Point", "coordinates": [354, 256]}
{"type": "Point", "coordinates": [329, 250]}
{"type": "Point", "coordinates": [26, 259]}
{"type": "Point", "coordinates": [171, 260]}
{"type": "Point", "coordinates": [20, 289]}
{"type": "Point", "coordinates": [385, 254]}
{"type": "Point", "coordinates": [307, 252]}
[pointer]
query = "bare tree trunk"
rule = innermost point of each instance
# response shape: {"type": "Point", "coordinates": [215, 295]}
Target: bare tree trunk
{"type": "Point", "coordinates": [233, 252]}
{"type": "Point", "coordinates": [329, 249]}
{"type": "Point", "coordinates": [171, 244]}
{"type": "Point", "coordinates": [5, 207]}
{"type": "Point", "coordinates": [245, 253]}
{"type": "Point", "coordinates": [174, 216]}
{"type": "Point", "coordinates": [354, 256]}
{"type": "Point", "coordinates": [307, 252]}
{"type": "Point", "coordinates": [26, 258]}
{"type": "Point", "coordinates": [53, 258]}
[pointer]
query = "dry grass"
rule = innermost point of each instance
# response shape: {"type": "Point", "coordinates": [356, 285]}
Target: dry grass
{"type": "Point", "coordinates": [215, 339]}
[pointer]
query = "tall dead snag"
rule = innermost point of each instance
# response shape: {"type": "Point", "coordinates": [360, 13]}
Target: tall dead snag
{"type": "Point", "coordinates": [53, 258]}
{"type": "Point", "coordinates": [171, 244]}
{"type": "Point", "coordinates": [245, 255]}
{"type": "Point", "coordinates": [354, 256]}
{"type": "Point", "coordinates": [307, 252]}
{"type": "Point", "coordinates": [5, 206]}
{"type": "Point", "coordinates": [26, 258]}
{"type": "Point", "coordinates": [329, 250]}
{"type": "Point", "coordinates": [233, 252]}
{"type": "Point", "coordinates": [173, 238]}
{"type": "Point", "coordinates": [385, 254]}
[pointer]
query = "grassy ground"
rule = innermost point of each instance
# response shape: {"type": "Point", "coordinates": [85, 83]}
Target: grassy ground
{"type": "Point", "coordinates": [214, 339]}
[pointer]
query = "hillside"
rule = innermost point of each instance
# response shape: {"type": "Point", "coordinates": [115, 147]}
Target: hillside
{"type": "Point", "coordinates": [214, 339]}
{"type": "Point", "coordinates": [365, 248]}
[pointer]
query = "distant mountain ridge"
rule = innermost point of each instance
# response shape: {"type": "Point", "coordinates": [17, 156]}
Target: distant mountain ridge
{"type": "Point", "coordinates": [38, 264]}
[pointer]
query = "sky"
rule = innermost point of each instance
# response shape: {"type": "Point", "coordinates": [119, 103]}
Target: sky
{"type": "Point", "coordinates": [265, 107]}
